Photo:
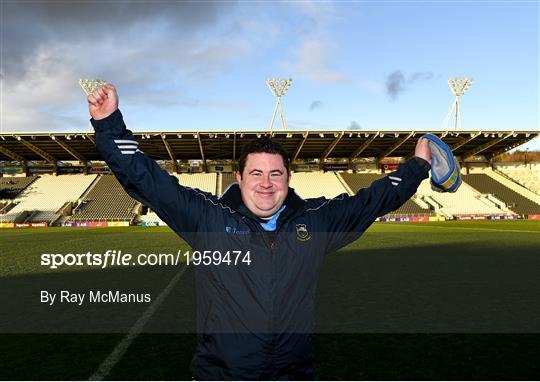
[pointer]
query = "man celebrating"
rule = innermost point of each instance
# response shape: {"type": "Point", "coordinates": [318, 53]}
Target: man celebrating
{"type": "Point", "coordinates": [255, 317]}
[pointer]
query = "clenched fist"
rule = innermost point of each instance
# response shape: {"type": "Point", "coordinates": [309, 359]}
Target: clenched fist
{"type": "Point", "coordinates": [422, 150]}
{"type": "Point", "coordinates": [103, 102]}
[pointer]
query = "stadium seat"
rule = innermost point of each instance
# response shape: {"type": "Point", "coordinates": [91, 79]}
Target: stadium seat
{"type": "Point", "coordinates": [514, 201]}
{"type": "Point", "coordinates": [105, 201]}
{"type": "Point", "coordinates": [409, 208]}
{"type": "Point", "coordinates": [317, 184]}
{"type": "Point", "coordinates": [466, 201]}
{"type": "Point", "coordinates": [206, 182]}
{"type": "Point", "coordinates": [527, 175]}
{"type": "Point", "coordinates": [12, 186]}
{"type": "Point", "coordinates": [46, 195]}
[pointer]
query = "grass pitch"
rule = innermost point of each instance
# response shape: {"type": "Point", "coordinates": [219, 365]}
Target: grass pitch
{"type": "Point", "coordinates": [446, 300]}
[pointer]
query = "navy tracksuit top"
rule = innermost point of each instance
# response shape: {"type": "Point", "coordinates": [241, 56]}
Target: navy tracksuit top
{"type": "Point", "coordinates": [254, 321]}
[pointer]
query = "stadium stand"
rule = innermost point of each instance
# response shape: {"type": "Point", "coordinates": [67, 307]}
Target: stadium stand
{"type": "Point", "coordinates": [514, 201]}
{"type": "Point", "coordinates": [528, 175]}
{"type": "Point", "coordinates": [227, 178]}
{"type": "Point", "coordinates": [84, 198]}
{"type": "Point", "coordinates": [316, 184]}
{"type": "Point", "coordinates": [466, 201]}
{"type": "Point", "coordinates": [508, 182]}
{"type": "Point", "coordinates": [27, 199]}
{"type": "Point", "coordinates": [358, 181]}
{"type": "Point", "coordinates": [151, 218]}
{"type": "Point", "coordinates": [413, 207]}
{"type": "Point", "coordinates": [42, 200]}
{"type": "Point", "coordinates": [105, 200]}
{"type": "Point", "coordinates": [206, 182]}
{"type": "Point", "coordinates": [12, 186]}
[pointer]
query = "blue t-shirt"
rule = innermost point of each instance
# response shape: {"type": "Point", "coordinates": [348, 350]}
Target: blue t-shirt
{"type": "Point", "coordinates": [270, 224]}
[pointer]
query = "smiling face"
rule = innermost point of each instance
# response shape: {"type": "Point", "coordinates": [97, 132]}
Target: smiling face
{"type": "Point", "coordinates": [264, 183]}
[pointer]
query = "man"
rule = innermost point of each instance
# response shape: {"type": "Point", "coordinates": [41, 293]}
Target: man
{"type": "Point", "coordinates": [255, 317]}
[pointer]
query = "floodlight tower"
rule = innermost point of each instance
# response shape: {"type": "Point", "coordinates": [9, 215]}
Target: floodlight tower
{"type": "Point", "coordinates": [458, 86]}
{"type": "Point", "coordinates": [278, 87]}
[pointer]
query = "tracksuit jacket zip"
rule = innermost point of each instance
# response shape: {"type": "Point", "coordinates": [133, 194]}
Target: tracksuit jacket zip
{"type": "Point", "coordinates": [253, 321]}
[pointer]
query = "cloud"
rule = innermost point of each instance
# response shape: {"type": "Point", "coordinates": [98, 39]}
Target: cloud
{"type": "Point", "coordinates": [312, 55]}
{"type": "Point", "coordinates": [396, 82]}
{"type": "Point", "coordinates": [420, 76]}
{"type": "Point", "coordinates": [31, 25]}
{"type": "Point", "coordinates": [317, 12]}
{"type": "Point", "coordinates": [155, 52]}
{"type": "Point", "coordinates": [354, 126]}
{"type": "Point", "coordinates": [371, 85]}
{"type": "Point", "coordinates": [312, 62]}
{"type": "Point", "coordinates": [315, 105]}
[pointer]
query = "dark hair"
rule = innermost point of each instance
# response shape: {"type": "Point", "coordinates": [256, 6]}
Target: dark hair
{"type": "Point", "coordinates": [262, 145]}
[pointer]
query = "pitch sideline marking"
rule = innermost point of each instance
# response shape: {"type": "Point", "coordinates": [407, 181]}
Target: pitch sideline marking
{"type": "Point", "coordinates": [120, 349]}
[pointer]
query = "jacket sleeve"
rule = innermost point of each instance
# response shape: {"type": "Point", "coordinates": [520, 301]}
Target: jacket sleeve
{"type": "Point", "coordinates": [348, 217]}
{"type": "Point", "coordinates": [180, 207]}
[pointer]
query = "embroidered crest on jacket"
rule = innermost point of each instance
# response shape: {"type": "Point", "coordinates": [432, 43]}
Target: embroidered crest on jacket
{"type": "Point", "coordinates": [302, 233]}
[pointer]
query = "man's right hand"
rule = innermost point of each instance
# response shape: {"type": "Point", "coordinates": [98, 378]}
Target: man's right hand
{"type": "Point", "coordinates": [103, 102]}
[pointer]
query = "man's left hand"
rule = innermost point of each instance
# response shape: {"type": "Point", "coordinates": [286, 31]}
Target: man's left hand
{"type": "Point", "coordinates": [422, 150]}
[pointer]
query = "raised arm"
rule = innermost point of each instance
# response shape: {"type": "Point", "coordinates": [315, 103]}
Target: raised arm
{"type": "Point", "coordinates": [348, 217]}
{"type": "Point", "coordinates": [140, 176]}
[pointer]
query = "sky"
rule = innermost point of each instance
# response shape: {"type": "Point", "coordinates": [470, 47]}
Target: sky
{"type": "Point", "coordinates": [362, 65]}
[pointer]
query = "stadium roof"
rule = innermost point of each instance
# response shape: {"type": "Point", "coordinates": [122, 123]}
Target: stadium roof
{"type": "Point", "coordinates": [226, 145]}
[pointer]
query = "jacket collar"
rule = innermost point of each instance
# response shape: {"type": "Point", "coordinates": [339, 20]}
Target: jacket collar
{"type": "Point", "coordinates": [232, 198]}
